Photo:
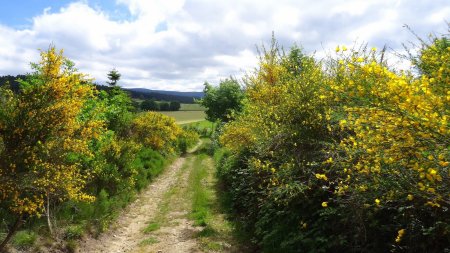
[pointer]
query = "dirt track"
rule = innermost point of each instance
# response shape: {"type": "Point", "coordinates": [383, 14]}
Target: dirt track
{"type": "Point", "coordinates": [126, 235]}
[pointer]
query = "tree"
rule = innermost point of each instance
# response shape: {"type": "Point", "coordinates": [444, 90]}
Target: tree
{"type": "Point", "coordinates": [221, 102]}
{"type": "Point", "coordinates": [117, 109]}
{"type": "Point", "coordinates": [174, 106]}
{"type": "Point", "coordinates": [149, 105]}
{"type": "Point", "coordinates": [45, 132]}
{"type": "Point", "coordinates": [114, 77]}
{"type": "Point", "coordinates": [164, 106]}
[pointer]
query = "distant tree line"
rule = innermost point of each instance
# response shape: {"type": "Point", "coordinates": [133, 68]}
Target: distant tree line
{"type": "Point", "coordinates": [152, 105]}
{"type": "Point", "coordinates": [161, 97]}
{"type": "Point", "coordinates": [12, 81]}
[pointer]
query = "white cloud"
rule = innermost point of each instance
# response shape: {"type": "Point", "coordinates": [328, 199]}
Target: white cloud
{"type": "Point", "coordinates": [177, 44]}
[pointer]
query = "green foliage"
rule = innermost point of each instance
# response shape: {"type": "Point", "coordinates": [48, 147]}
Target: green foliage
{"type": "Point", "coordinates": [153, 226]}
{"type": "Point", "coordinates": [149, 164]}
{"type": "Point", "coordinates": [113, 163]}
{"type": "Point", "coordinates": [117, 110]}
{"type": "Point", "coordinates": [164, 106]}
{"type": "Point", "coordinates": [221, 102]}
{"type": "Point", "coordinates": [203, 128]}
{"type": "Point", "coordinates": [45, 132]}
{"type": "Point", "coordinates": [156, 131]}
{"type": "Point", "coordinates": [74, 232]}
{"type": "Point", "coordinates": [62, 139]}
{"type": "Point", "coordinates": [351, 157]}
{"type": "Point", "coordinates": [187, 140]}
{"type": "Point", "coordinates": [24, 239]}
{"type": "Point", "coordinates": [149, 105]}
{"type": "Point", "coordinates": [113, 77]}
{"type": "Point", "coordinates": [153, 105]}
{"type": "Point", "coordinates": [174, 106]}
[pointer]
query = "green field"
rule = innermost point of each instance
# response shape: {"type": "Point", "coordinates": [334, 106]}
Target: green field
{"type": "Point", "coordinates": [183, 117]}
{"type": "Point", "coordinates": [200, 124]}
{"type": "Point", "coordinates": [192, 107]}
{"type": "Point", "coordinates": [184, 107]}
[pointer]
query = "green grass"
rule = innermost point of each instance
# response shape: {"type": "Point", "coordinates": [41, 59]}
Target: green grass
{"type": "Point", "coordinates": [192, 107]}
{"type": "Point", "coordinates": [153, 226]}
{"type": "Point", "coordinates": [201, 195]}
{"type": "Point", "coordinates": [217, 233]}
{"type": "Point", "coordinates": [183, 117]}
{"type": "Point", "coordinates": [74, 232]}
{"type": "Point", "coordinates": [205, 128]}
{"type": "Point", "coordinates": [24, 239]}
{"type": "Point", "coordinates": [201, 124]}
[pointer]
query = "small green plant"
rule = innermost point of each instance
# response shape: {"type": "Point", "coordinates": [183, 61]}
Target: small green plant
{"type": "Point", "coordinates": [153, 226]}
{"type": "Point", "coordinates": [74, 232]}
{"type": "Point", "coordinates": [24, 239]}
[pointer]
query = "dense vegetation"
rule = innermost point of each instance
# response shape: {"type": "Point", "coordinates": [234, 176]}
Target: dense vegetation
{"type": "Point", "coordinates": [343, 154]}
{"type": "Point", "coordinates": [152, 105]}
{"type": "Point", "coordinates": [346, 154]}
{"type": "Point", "coordinates": [74, 154]}
{"type": "Point", "coordinates": [223, 101]}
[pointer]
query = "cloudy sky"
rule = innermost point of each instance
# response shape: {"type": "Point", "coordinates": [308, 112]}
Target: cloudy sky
{"type": "Point", "coordinates": [179, 44]}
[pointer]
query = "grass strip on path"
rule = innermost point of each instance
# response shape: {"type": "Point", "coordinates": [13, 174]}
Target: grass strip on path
{"type": "Point", "coordinates": [217, 233]}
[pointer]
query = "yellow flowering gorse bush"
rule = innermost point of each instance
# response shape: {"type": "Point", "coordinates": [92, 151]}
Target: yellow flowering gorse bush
{"type": "Point", "coordinates": [41, 130]}
{"type": "Point", "coordinates": [347, 142]}
{"type": "Point", "coordinates": [156, 130]}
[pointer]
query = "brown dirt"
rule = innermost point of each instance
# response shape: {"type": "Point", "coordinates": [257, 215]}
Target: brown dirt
{"type": "Point", "coordinates": [177, 233]}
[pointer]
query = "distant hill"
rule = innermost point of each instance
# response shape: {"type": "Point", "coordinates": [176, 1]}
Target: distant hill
{"type": "Point", "coordinates": [136, 93]}
{"type": "Point", "coordinates": [195, 94]}
{"type": "Point", "coordinates": [182, 97]}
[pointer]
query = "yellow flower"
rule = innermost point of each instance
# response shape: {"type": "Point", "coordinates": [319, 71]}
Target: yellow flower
{"type": "Point", "coordinates": [337, 49]}
{"type": "Point", "coordinates": [344, 48]}
{"type": "Point", "coordinates": [377, 201]}
{"type": "Point", "coordinates": [400, 234]}
{"type": "Point", "coordinates": [321, 176]}
{"type": "Point", "coordinates": [325, 204]}
{"type": "Point", "coordinates": [442, 163]}
{"type": "Point", "coordinates": [410, 197]}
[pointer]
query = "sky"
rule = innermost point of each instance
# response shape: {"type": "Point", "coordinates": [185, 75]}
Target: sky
{"type": "Point", "coordinates": [180, 44]}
